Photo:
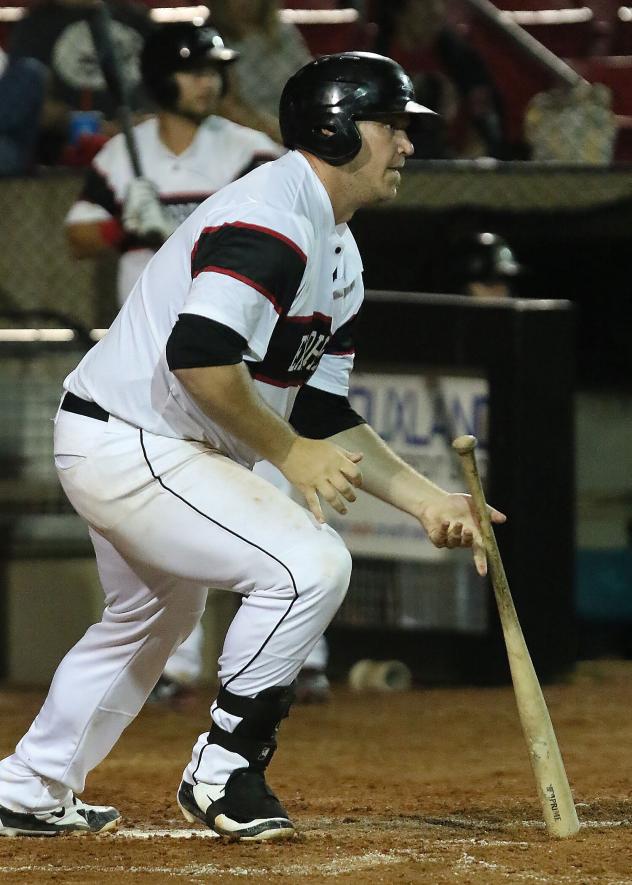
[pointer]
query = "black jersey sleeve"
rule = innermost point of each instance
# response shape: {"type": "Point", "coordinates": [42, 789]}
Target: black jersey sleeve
{"type": "Point", "coordinates": [318, 414]}
{"type": "Point", "coordinates": [96, 189]}
{"type": "Point", "coordinates": [196, 341]}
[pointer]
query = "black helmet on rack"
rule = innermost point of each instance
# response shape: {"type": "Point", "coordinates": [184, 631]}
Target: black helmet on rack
{"type": "Point", "coordinates": [321, 103]}
{"type": "Point", "coordinates": [181, 46]}
{"type": "Point", "coordinates": [488, 258]}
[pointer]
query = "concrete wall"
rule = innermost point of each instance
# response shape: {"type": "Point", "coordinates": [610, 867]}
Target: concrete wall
{"type": "Point", "coordinates": [52, 602]}
{"type": "Point", "coordinates": [604, 469]}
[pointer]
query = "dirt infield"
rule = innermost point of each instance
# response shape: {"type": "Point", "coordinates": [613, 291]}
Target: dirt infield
{"type": "Point", "coordinates": [430, 786]}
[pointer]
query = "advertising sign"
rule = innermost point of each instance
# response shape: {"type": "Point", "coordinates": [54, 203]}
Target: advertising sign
{"type": "Point", "coordinates": [418, 416]}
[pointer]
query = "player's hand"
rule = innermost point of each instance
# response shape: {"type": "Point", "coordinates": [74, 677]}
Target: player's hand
{"type": "Point", "coordinates": [143, 214]}
{"type": "Point", "coordinates": [319, 468]}
{"type": "Point", "coordinates": [450, 522]}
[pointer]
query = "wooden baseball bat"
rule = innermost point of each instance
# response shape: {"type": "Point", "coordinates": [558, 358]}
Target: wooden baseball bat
{"type": "Point", "coordinates": [560, 816]}
{"type": "Point", "coordinates": [100, 24]}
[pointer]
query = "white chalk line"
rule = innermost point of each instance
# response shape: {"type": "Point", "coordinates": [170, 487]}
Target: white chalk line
{"type": "Point", "coordinates": [137, 833]}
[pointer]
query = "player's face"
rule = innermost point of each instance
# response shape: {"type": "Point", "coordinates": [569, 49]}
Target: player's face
{"type": "Point", "coordinates": [376, 169]}
{"type": "Point", "coordinates": [199, 92]}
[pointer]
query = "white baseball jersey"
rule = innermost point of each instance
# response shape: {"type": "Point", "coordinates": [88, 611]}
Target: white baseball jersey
{"type": "Point", "coordinates": [263, 257]}
{"type": "Point", "coordinates": [221, 152]}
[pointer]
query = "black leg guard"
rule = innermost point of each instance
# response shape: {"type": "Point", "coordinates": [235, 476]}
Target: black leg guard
{"type": "Point", "coordinates": [255, 736]}
{"type": "Point", "coordinates": [244, 807]}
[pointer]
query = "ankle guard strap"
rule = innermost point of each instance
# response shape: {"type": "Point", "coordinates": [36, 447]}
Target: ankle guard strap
{"type": "Point", "coordinates": [255, 736]}
{"type": "Point", "coordinates": [257, 753]}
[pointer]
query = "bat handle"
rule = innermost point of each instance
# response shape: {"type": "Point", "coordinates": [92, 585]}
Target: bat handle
{"type": "Point", "coordinates": [465, 446]}
{"type": "Point", "coordinates": [125, 118]}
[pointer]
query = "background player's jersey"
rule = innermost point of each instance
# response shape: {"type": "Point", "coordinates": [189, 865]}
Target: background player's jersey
{"type": "Point", "coordinates": [220, 152]}
{"type": "Point", "coordinates": [264, 257]}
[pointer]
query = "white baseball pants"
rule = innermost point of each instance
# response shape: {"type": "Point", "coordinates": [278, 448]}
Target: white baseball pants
{"type": "Point", "coordinates": [185, 664]}
{"type": "Point", "coordinates": [169, 518]}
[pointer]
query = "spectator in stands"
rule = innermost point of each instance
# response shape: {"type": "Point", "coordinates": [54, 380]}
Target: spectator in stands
{"type": "Point", "coordinates": [56, 33]}
{"type": "Point", "coordinates": [271, 51]}
{"type": "Point", "coordinates": [449, 76]}
{"type": "Point", "coordinates": [22, 88]}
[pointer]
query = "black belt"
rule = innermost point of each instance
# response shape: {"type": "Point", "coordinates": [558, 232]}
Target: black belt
{"type": "Point", "coordinates": [72, 403]}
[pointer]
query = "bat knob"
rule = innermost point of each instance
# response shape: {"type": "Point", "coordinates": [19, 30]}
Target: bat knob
{"type": "Point", "coordinates": [464, 444]}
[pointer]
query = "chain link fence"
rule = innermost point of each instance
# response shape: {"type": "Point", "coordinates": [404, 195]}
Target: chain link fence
{"type": "Point", "coordinates": [38, 273]}
{"type": "Point", "coordinates": [405, 595]}
{"type": "Point", "coordinates": [36, 269]}
{"type": "Point", "coordinates": [512, 186]}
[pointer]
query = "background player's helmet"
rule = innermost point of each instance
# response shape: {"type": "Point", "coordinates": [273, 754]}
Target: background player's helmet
{"type": "Point", "coordinates": [488, 258]}
{"type": "Point", "coordinates": [482, 257]}
{"type": "Point", "coordinates": [334, 91]}
{"type": "Point", "coordinates": [181, 46]}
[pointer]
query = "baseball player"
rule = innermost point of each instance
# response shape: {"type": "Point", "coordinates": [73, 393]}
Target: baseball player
{"type": "Point", "coordinates": [235, 344]}
{"type": "Point", "coordinates": [187, 152]}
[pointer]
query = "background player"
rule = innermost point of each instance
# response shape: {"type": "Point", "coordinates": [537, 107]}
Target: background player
{"type": "Point", "coordinates": [243, 319]}
{"type": "Point", "coordinates": [187, 153]}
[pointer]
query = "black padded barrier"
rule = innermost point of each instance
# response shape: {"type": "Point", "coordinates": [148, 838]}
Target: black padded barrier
{"type": "Point", "coordinates": [526, 350]}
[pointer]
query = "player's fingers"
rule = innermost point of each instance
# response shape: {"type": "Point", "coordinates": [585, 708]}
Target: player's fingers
{"type": "Point", "coordinates": [330, 494]}
{"type": "Point", "coordinates": [314, 504]}
{"type": "Point", "coordinates": [496, 515]}
{"type": "Point", "coordinates": [480, 557]}
{"type": "Point", "coordinates": [345, 489]}
{"type": "Point", "coordinates": [439, 536]}
{"type": "Point", "coordinates": [341, 485]}
{"type": "Point", "coordinates": [353, 474]}
{"type": "Point", "coordinates": [453, 538]}
{"type": "Point", "coordinates": [349, 470]}
{"type": "Point", "coordinates": [467, 538]}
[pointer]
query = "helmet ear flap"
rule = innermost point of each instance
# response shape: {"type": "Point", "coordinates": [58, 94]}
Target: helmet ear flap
{"type": "Point", "coordinates": [345, 142]}
{"type": "Point", "coordinates": [334, 137]}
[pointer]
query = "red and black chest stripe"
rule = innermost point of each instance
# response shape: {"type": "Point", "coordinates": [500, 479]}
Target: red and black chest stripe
{"type": "Point", "coordinates": [262, 258]}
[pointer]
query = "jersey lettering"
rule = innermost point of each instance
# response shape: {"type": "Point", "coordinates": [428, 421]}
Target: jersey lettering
{"type": "Point", "coordinates": [294, 351]}
{"type": "Point", "coordinates": [310, 350]}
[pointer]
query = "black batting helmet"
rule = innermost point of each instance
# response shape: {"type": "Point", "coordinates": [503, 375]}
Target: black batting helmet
{"type": "Point", "coordinates": [482, 257]}
{"type": "Point", "coordinates": [488, 258]}
{"type": "Point", "coordinates": [181, 46]}
{"type": "Point", "coordinates": [334, 91]}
